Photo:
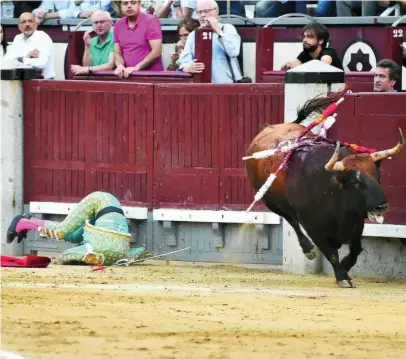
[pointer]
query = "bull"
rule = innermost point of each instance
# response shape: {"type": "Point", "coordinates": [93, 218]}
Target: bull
{"type": "Point", "coordinates": [325, 188]}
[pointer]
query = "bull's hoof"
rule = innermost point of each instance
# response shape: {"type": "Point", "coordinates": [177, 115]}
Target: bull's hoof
{"type": "Point", "coordinates": [312, 254]}
{"type": "Point", "coordinates": [346, 284]}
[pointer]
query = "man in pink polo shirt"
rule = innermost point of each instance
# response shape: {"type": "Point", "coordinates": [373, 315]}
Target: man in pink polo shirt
{"type": "Point", "coordinates": [137, 41]}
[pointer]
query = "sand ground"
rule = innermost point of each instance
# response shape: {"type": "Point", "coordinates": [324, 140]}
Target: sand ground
{"type": "Point", "coordinates": [183, 310]}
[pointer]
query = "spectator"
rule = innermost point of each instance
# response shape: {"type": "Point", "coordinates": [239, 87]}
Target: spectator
{"type": "Point", "coordinates": [226, 41]}
{"type": "Point", "coordinates": [84, 9]}
{"type": "Point", "coordinates": [266, 8]}
{"type": "Point", "coordinates": [188, 9]}
{"type": "Point", "coordinates": [33, 47]}
{"type": "Point", "coordinates": [184, 30]}
{"type": "Point", "coordinates": [236, 7]}
{"type": "Point", "coordinates": [326, 8]}
{"type": "Point", "coordinates": [24, 6]}
{"type": "Point", "coordinates": [315, 38]}
{"type": "Point", "coordinates": [386, 73]}
{"type": "Point", "coordinates": [404, 54]}
{"type": "Point", "coordinates": [137, 41]}
{"type": "Point", "coordinates": [176, 9]}
{"type": "Point", "coordinates": [3, 42]}
{"type": "Point", "coordinates": [53, 10]}
{"type": "Point", "coordinates": [115, 9]}
{"type": "Point", "coordinates": [365, 8]}
{"type": "Point", "coordinates": [99, 51]}
{"type": "Point", "coordinates": [171, 9]}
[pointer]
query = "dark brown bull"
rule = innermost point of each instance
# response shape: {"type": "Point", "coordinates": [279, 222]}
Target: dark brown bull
{"type": "Point", "coordinates": [327, 189]}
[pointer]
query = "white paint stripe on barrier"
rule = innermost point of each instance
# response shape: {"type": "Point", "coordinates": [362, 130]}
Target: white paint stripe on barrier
{"type": "Point", "coordinates": [65, 208]}
{"type": "Point", "coordinates": [384, 230]}
{"type": "Point", "coordinates": [211, 216]}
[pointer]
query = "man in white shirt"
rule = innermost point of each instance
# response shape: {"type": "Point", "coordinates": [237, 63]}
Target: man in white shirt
{"type": "Point", "coordinates": [33, 47]}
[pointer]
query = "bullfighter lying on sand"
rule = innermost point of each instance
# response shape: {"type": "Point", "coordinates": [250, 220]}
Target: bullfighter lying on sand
{"type": "Point", "coordinates": [98, 221]}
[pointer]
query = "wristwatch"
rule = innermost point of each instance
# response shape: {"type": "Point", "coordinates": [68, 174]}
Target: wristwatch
{"type": "Point", "coordinates": [21, 59]}
{"type": "Point", "coordinates": [90, 68]}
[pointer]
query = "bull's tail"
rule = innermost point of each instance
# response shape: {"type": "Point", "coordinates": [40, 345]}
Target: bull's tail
{"type": "Point", "coordinates": [318, 104]}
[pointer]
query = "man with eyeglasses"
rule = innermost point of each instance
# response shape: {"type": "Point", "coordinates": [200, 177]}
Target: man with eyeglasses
{"type": "Point", "coordinates": [225, 40]}
{"type": "Point", "coordinates": [137, 41]}
{"type": "Point", "coordinates": [99, 50]}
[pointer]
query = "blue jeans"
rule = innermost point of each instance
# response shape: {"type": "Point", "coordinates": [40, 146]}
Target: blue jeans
{"type": "Point", "coordinates": [266, 8]}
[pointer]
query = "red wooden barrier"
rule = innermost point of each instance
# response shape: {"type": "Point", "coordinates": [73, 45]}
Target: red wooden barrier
{"type": "Point", "coordinates": [85, 136]}
{"type": "Point", "coordinates": [177, 145]}
{"type": "Point", "coordinates": [140, 76]}
{"type": "Point", "coordinates": [372, 120]}
{"type": "Point", "coordinates": [201, 133]}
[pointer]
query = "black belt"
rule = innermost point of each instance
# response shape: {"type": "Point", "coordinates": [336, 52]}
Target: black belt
{"type": "Point", "coordinates": [110, 209]}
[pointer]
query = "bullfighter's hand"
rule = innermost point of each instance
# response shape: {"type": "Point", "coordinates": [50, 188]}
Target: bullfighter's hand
{"type": "Point", "coordinates": [214, 23]}
{"type": "Point", "coordinates": [33, 53]}
{"type": "Point", "coordinates": [119, 71]}
{"type": "Point", "coordinates": [195, 67]}
{"type": "Point", "coordinates": [79, 70]}
{"type": "Point", "coordinates": [128, 71]}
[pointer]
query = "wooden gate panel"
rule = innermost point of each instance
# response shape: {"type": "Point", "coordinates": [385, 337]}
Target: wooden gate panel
{"type": "Point", "coordinates": [243, 114]}
{"type": "Point", "coordinates": [88, 136]}
{"type": "Point", "coordinates": [186, 147]}
{"type": "Point", "coordinates": [202, 133]}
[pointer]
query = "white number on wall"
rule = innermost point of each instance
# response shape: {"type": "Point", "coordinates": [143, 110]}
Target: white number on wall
{"type": "Point", "coordinates": [398, 33]}
{"type": "Point", "coordinates": [207, 36]}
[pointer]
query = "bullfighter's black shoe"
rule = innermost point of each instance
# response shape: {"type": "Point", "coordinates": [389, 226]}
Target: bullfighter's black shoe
{"type": "Point", "coordinates": [11, 231]}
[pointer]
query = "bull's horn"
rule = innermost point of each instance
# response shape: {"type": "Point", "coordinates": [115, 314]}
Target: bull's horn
{"type": "Point", "coordinates": [334, 164]}
{"type": "Point", "coordinates": [380, 155]}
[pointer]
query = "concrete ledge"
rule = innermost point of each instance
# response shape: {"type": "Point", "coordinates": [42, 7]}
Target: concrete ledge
{"type": "Point", "coordinates": [209, 216]}
{"type": "Point", "coordinates": [384, 230]}
{"type": "Point", "coordinates": [65, 208]}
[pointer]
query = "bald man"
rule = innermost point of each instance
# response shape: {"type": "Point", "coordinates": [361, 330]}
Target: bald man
{"type": "Point", "coordinates": [99, 50]}
{"type": "Point", "coordinates": [33, 47]}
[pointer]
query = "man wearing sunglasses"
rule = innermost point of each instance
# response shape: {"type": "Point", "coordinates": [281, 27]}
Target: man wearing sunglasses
{"type": "Point", "coordinates": [226, 43]}
{"type": "Point", "coordinates": [99, 50]}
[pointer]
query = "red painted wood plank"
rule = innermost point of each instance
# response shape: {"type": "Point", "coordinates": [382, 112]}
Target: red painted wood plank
{"type": "Point", "coordinates": [189, 117]}
{"type": "Point", "coordinates": [201, 109]}
{"type": "Point", "coordinates": [181, 129]}
{"type": "Point", "coordinates": [173, 135]}
{"type": "Point", "coordinates": [69, 165]}
{"type": "Point", "coordinates": [105, 128]}
{"type": "Point", "coordinates": [148, 179]}
{"type": "Point", "coordinates": [195, 99]}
